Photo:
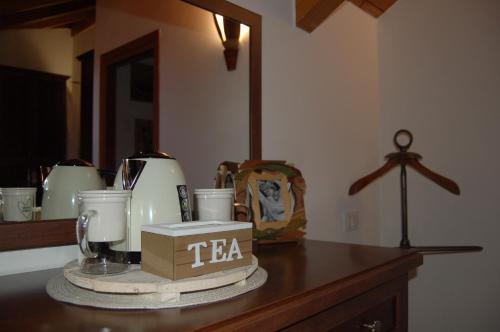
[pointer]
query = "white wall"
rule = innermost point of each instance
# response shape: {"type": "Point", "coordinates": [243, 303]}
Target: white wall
{"type": "Point", "coordinates": [203, 107]}
{"type": "Point", "coordinates": [440, 77]}
{"type": "Point", "coordinates": [19, 261]}
{"type": "Point", "coordinates": [320, 111]}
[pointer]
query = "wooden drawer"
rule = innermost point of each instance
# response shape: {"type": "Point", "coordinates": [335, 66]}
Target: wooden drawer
{"type": "Point", "coordinates": [384, 308]}
{"type": "Point", "coordinates": [380, 318]}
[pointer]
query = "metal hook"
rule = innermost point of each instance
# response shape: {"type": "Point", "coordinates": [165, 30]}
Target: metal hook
{"type": "Point", "coordinates": [401, 133]}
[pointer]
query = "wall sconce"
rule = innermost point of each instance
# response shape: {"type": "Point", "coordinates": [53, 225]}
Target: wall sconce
{"type": "Point", "coordinates": [229, 33]}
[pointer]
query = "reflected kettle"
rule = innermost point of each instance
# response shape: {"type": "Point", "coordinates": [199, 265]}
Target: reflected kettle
{"type": "Point", "coordinates": [62, 184]}
{"type": "Point", "coordinates": [159, 195]}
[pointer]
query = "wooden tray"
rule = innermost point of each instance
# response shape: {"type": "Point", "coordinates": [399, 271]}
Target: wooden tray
{"type": "Point", "coordinates": [136, 281]}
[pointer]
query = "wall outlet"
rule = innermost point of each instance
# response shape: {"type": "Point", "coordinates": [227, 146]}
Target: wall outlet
{"type": "Point", "coordinates": [351, 221]}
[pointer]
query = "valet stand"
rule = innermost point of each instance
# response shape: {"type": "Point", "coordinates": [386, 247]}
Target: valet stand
{"type": "Point", "coordinates": [405, 158]}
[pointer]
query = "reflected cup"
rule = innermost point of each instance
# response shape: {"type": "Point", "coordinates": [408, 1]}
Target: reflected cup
{"type": "Point", "coordinates": [18, 203]}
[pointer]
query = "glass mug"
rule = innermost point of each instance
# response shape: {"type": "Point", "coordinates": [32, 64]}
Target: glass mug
{"type": "Point", "coordinates": [103, 218]}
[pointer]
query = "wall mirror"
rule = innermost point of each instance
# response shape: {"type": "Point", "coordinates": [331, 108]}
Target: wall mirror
{"type": "Point", "coordinates": [61, 232]}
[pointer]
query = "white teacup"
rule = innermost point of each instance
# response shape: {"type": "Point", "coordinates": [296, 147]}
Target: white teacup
{"type": "Point", "coordinates": [103, 218]}
{"type": "Point", "coordinates": [18, 203]}
{"type": "Point", "coordinates": [214, 204]}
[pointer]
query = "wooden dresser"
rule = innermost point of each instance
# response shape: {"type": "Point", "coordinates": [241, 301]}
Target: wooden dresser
{"type": "Point", "coordinates": [313, 286]}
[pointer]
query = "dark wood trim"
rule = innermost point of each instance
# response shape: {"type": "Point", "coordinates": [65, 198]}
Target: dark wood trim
{"type": "Point", "coordinates": [86, 104]}
{"type": "Point", "coordinates": [50, 16]}
{"type": "Point", "coordinates": [37, 234]}
{"type": "Point", "coordinates": [109, 60]}
{"type": "Point", "coordinates": [309, 14]}
{"type": "Point", "coordinates": [254, 21]}
{"type": "Point", "coordinates": [37, 73]}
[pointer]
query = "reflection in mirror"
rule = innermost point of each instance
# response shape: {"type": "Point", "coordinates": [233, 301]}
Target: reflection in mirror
{"type": "Point", "coordinates": [134, 107]}
{"type": "Point", "coordinates": [118, 22]}
{"type": "Point", "coordinates": [203, 107]}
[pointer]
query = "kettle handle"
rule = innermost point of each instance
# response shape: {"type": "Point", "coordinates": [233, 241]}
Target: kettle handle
{"type": "Point", "coordinates": [82, 227]}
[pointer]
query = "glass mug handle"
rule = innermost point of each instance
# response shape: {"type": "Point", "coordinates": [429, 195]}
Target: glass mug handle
{"type": "Point", "coordinates": [82, 228]}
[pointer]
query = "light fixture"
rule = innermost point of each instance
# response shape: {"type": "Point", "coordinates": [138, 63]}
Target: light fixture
{"type": "Point", "coordinates": [229, 33]}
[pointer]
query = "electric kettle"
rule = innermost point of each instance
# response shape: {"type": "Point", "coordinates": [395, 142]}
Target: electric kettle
{"type": "Point", "coordinates": [159, 195]}
{"type": "Point", "coordinates": [62, 184]}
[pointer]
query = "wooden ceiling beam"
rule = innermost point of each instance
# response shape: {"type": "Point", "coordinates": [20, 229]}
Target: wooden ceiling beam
{"type": "Point", "coordinates": [374, 7]}
{"type": "Point", "coordinates": [82, 25]}
{"type": "Point", "coordinates": [58, 20]}
{"type": "Point", "coordinates": [49, 16]}
{"type": "Point", "coordinates": [309, 14]}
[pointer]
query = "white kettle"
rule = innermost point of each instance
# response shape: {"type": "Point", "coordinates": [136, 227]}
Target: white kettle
{"type": "Point", "coordinates": [62, 185]}
{"type": "Point", "coordinates": [159, 195]}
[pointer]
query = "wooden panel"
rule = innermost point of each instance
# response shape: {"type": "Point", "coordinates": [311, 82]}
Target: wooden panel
{"type": "Point", "coordinates": [35, 234]}
{"type": "Point", "coordinates": [381, 303]}
{"type": "Point", "coordinates": [309, 14]}
{"type": "Point", "coordinates": [157, 255]}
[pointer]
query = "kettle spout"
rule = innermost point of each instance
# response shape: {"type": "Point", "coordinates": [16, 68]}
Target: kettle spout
{"type": "Point", "coordinates": [131, 171]}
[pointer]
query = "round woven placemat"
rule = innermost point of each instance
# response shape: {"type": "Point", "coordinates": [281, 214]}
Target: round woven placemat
{"type": "Point", "coordinates": [62, 290]}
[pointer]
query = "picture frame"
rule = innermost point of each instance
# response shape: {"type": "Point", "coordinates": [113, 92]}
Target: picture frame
{"type": "Point", "coordinates": [290, 225]}
{"type": "Point", "coordinates": [270, 200]}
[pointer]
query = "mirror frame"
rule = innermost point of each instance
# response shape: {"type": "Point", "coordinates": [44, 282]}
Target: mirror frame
{"type": "Point", "coordinates": [50, 233]}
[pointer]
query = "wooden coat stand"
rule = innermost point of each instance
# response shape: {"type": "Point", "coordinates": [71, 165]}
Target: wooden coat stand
{"type": "Point", "coordinates": [404, 158]}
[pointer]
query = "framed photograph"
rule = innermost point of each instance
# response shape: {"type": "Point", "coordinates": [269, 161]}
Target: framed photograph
{"type": "Point", "coordinates": [270, 200]}
{"type": "Point", "coordinates": [270, 194]}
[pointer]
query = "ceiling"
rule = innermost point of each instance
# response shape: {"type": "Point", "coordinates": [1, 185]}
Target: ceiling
{"type": "Point", "coordinates": [79, 14]}
{"type": "Point", "coordinates": [311, 13]}
{"type": "Point", "coordinates": [73, 14]}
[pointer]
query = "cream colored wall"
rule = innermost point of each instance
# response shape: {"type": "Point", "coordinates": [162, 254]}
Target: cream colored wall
{"type": "Point", "coordinates": [440, 77]}
{"type": "Point", "coordinates": [320, 111]}
{"type": "Point", "coordinates": [48, 50]}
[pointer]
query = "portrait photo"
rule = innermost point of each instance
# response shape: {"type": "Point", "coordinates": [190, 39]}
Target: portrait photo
{"type": "Point", "coordinates": [270, 199]}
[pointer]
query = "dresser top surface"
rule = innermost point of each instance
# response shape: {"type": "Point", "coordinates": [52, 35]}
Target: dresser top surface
{"type": "Point", "coordinates": [296, 273]}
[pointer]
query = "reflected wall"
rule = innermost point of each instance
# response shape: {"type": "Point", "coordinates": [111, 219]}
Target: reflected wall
{"type": "Point", "coordinates": [204, 109]}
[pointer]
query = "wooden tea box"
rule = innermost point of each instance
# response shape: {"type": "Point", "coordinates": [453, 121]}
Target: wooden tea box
{"type": "Point", "coordinates": [189, 249]}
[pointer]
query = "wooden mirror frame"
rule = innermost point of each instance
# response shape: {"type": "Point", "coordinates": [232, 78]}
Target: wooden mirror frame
{"type": "Point", "coordinates": [50, 233]}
